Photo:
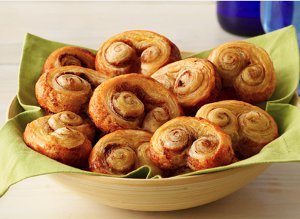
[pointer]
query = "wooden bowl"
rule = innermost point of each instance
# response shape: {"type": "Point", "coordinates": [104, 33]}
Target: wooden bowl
{"type": "Point", "coordinates": [156, 194]}
{"type": "Point", "coordinates": [160, 194]}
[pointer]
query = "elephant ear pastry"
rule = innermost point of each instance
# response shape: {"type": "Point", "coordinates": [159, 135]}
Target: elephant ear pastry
{"type": "Point", "coordinates": [121, 152]}
{"type": "Point", "coordinates": [136, 51]}
{"type": "Point", "coordinates": [189, 141]}
{"type": "Point", "coordinates": [249, 127]}
{"type": "Point", "coordinates": [247, 68]}
{"type": "Point", "coordinates": [67, 88]}
{"type": "Point", "coordinates": [64, 137]}
{"type": "Point", "coordinates": [72, 120]}
{"type": "Point", "coordinates": [132, 101]}
{"type": "Point", "coordinates": [70, 56]}
{"type": "Point", "coordinates": [194, 81]}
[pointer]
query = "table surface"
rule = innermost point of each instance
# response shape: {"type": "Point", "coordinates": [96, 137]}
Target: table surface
{"type": "Point", "coordinates": [193, 27]}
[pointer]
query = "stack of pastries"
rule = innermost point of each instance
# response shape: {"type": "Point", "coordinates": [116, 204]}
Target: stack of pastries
{"type": "Point", "coordinates": [136, 102]}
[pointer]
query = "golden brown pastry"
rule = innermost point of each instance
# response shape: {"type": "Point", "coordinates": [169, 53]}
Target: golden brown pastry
{"type": "Point", "coordinates": [249, 127]}
{"type": "Point", "coordinates": [70, 55]}
{"type": "Point", "coordinates": [247, 68]}
{"type": "Point", "coordinates": [63, 137]}
{"type": "Point", "coordinates": [67, 88]}
{"type": "Point", "coordinates": [72, 120]}
{"type": "Point", "coordinates": [189, 141]}
{"type": "Point", "coordinates": [137, 51]}
{"type": "Point", "coordinates": [121, 152]}
{"type": "Point", "coordinates": [132, 101]}
{"type": "Point", "coordinates": [194, 81]}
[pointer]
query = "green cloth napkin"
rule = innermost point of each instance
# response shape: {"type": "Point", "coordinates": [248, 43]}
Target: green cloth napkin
{"type": "Point", "coordinates": [18, 162]}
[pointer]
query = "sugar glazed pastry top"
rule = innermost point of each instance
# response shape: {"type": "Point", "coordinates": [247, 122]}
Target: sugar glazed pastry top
{"type": "Point", "coordinates": [194, 81]}
{"type": "Point", "coordinates": [132, 101]}
{"type": "Point", "coordinates": [247, 68]}
{"type": "Point", "coordinates": [189, 141]}
{"type": "Point", "coordinates": [121, 152]}
{"type": "Point", "coordinates": [136, 51]}
{"type": "Point", "coordinates": [68, 56]}
{"type": "Point", "coordinates": [249, 127]}
{"type": "Point", "coordinates": [67, 88]}
{"type": "Point", "coordinates": [65, 137]}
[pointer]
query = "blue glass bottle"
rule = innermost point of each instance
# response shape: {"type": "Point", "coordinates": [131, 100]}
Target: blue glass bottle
{"type": "Point", "coordinates": [275, 15]}
{"type": "Point", "coordinates": [240, 17]}
{"type": "Point", "coordinates": [279, 14]}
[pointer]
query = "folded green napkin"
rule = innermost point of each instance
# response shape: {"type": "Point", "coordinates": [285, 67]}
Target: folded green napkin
{"type": "Point", "coordinates": [18, 162]}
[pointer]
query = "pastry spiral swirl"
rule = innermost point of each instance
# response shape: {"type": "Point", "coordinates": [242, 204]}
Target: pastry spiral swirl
{"type": "Point", "coordinates": [121, 152]}
{"type": "Point", "coordinates": [73, 121]}
{"type": "Point", "coordinates": [135, 51]}
{"type": "Point", "coordinates": [249, 127]}
{"type": "Point", "coordinates": [63, 137]}
{"type": "Point", "coordinates": [193, 142]}
{"type": "Point", "coordinates": [247, 68]}
{"type": "Point", "coordinates": [194, 81]}
{"type": "Point", "coordinates": [132, 101]}
{"type": "Point", "coordinates": [67, 88]}
{"type": "Point", "coordinates": [68, 56]}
